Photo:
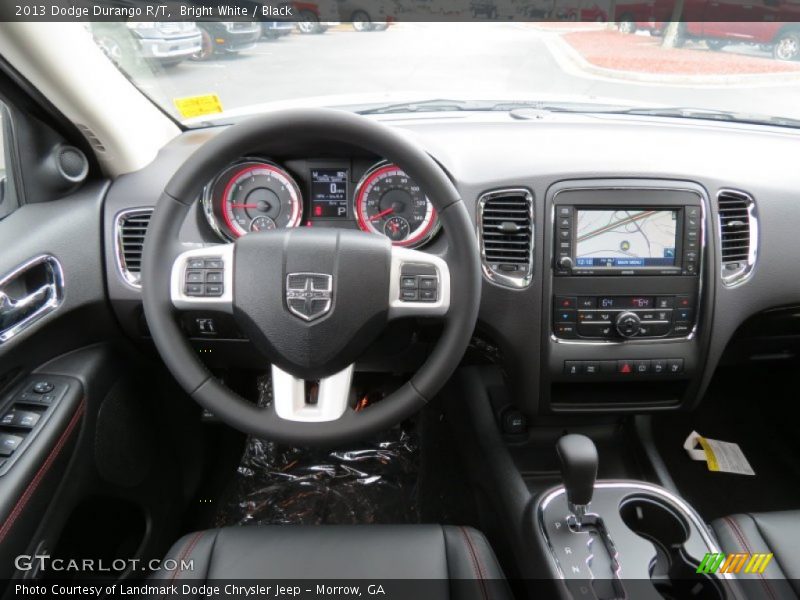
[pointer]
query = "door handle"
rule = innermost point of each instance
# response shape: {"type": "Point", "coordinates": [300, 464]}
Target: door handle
{"type": "Point", "coordinates": [28, 293]}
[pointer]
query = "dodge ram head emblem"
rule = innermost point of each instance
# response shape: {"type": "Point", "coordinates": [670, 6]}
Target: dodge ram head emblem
{"type": "Point", "coordinates": [308, 295]}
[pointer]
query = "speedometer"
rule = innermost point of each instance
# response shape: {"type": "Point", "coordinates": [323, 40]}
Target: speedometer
{"type": "Point", "coordinates": [388, 202]}
{"type": "Point", "coordinates": [252, 196]}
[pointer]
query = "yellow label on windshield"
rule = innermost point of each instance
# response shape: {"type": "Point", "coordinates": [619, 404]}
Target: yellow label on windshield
{"type": "Point", "coordinates": [197, 106]}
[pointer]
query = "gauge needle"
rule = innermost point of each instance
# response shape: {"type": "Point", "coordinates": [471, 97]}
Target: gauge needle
{"type": "Point", "coordinates": [244, 205]}
{"type": "Point", "coordinates": [383, 213]}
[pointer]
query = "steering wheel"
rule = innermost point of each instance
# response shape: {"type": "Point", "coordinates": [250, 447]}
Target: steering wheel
{"type": "Point", "coordinates": [311, 300]}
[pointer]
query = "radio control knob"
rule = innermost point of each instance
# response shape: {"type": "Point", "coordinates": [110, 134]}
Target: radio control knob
{"type": "Point", "coordinates": [565, 263]}
{"type": "Point", "coordinates": [628, 324]}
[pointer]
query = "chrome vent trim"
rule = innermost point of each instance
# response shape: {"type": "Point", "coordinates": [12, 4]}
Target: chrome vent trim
{"type": "Point", "coordinates": [130, 227]}
{"type": "Point", "coordinates": [505, 234]}
{"type": "Point", "coordinates": [738, 234]}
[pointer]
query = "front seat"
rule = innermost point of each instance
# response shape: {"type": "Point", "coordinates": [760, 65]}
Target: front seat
{"type": "Point", "coordinates": [454, 562]}
{"type": "Point", "coordinates": [776, 533]}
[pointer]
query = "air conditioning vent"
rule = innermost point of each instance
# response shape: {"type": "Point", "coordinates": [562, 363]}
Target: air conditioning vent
{"type": "Point", "coordinates": [131, 228]}
{"type": "Point", "coordinates": [505, 228]}
{"type": "Point", "coordinates": [738, 232]}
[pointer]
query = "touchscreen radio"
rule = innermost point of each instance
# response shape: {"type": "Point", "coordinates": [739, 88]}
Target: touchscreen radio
{"type": "Point", "coordinates": [627, 240]}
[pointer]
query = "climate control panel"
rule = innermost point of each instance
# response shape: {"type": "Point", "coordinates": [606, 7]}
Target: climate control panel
{"type": "Point", "coordinates": [617, 318]}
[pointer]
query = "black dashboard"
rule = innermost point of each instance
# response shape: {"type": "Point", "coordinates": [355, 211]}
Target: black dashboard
{"type": "Point", "coordinates": [614, 274]}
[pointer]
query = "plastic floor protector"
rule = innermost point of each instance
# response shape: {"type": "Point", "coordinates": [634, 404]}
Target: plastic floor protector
{"type": "Point", "coordinates": [375, 482]}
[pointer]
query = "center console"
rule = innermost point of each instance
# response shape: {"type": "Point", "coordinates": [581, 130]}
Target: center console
{"type": "Point", "coordinates": [624, 294]}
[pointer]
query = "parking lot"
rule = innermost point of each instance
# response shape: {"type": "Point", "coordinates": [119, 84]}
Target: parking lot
{"type": "Point", "coordinates": [504, 61]}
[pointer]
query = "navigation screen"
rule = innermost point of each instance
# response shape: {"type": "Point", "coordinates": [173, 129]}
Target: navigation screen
{"type": "Point", "coordinates": [625, 238]}
{"type": "Point", "coordinates": [329, 192]}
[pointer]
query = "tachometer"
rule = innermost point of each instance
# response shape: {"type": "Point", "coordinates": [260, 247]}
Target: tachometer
{"type": "Point", "coordinates": [388, 202]}
{"type": "Point", "coordinates": [252, 196]}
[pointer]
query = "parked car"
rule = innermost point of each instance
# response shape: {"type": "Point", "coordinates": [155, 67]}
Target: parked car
{"type": "Point", "coordinates": [275, 29]}
{"type": "Point", "coordinates": [167, 43]}
{"type": "Point", "coordinates": [372, 15]}
{"type": "Point", "coordinates": [314, 20]}
{"type": "Point", "coordinates": [227, 37]}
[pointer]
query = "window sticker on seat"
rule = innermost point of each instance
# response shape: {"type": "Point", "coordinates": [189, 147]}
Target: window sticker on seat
{"type": "Point", "coordinates": [723, 457]}
{"type": "Point", "coordinates": [198, 106]}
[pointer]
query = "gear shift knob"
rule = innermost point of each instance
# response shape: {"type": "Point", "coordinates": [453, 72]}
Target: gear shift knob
{"type": "Point", "coordinates": [578, 456]}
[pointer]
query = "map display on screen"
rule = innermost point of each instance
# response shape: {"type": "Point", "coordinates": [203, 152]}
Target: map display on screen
{"type": "Point", "coordinates": [625, 238]}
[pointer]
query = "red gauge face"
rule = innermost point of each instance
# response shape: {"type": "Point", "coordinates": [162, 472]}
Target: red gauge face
{"type": "Point", "coordinates": [254, 196]}
{"type": "Point", "coordinates": [388, 202]}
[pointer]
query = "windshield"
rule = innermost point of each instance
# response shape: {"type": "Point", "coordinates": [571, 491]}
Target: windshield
{"type": "Point", "coordinates": [203, 73]}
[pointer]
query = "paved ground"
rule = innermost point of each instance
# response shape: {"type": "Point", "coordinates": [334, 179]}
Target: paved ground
{"type": "Point", "coordinates": [502, 61]}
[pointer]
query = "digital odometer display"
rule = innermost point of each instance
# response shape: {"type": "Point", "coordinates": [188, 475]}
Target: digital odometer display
{"type": "Point", "coordinates": [625, 238]}
{"type": "Point", "coordinates": [329, 193]}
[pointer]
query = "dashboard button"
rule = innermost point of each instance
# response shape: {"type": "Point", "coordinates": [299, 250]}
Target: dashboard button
{"type": "Point", "coordinates": [684, 302]}
{"type": "Point", "coordinates": [665, 302]}
{"type": "Point", "coordinates": [563, 302]}
{"type": "Point", "coordinates": [625, 367]}
{"type": "Point", "coordinates": [681, 329]}
{"type": "Point", "coordinates": [563, 234]}
{"type": "Point", "coordinates": [658, 366]}
{"type": "Point", "coordinates": [565, 330]}
{"type": "Point", "coordinates": [564, 222]}
{"type": "Point", "coordinates": [683, 315]}
{"type": "Point", "coordinates": [565, 316]}
{"type": "Point", "coordinates": [572, 367]}
{"type": "Point", "coordinates": [587, 302]}
{"type": "Point", "coordinates": [595, 330]}
{"type": "Point", "coordinates": [674, 365]}
{"type": "Point", "coordinates": [591, 367]}
{"type": "Point", "coordinates": [564, 211]}
{"type": "Point", "coordinates": [641, 367]}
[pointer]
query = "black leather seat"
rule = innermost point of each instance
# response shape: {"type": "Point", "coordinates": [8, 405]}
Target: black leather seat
{"type": "Point", "coordinates": [454, 562]}
{"type": "Point", "coordinates": [772, 532]}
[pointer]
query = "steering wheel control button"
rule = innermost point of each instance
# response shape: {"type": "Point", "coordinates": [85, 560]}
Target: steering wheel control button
{"type": "Point", "coordinates": [213, 289]}
{"type": "Point", "coordinates": [43, 387]}
{"type": "Point", "coordinates": [214, 277]}
{"type": "Point", "coordinates": [9, 443]}
{"type": "Point", "coordinates": [428, 283]}
{"type": "Point", "coordinates": [408, 295]}
{"type": "Point", "coordinates": [194, 277]}
{"type": "Point", "coordinates": [195, 263]}
{"type": "Point", "coordinates": [195, 289]}
{"type": "Point", "coordinates": [408, 282]}
{"type": "Point", "coordinates": [427, 295]}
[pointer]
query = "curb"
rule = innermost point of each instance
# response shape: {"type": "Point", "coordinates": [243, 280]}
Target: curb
{"type": "Point", "coordinates": [570, 59]}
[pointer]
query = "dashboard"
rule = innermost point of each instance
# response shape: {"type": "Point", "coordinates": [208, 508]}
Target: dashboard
{"type": "Point", "coordinates": [662, 236]}
{"type": "Point", "coordinates": [259, 194]}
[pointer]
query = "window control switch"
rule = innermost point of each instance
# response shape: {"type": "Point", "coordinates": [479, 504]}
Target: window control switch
{"type": "Point", "coordinates": [9, 442]}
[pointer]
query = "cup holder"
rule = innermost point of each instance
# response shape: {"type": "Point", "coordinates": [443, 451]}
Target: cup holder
{"type": "Point", "coordinates": [672, 572]}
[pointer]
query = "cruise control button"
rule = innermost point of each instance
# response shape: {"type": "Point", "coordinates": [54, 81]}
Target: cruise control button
{"type": "Point", "coordinates": [195, 263]}
{"type": "Point", "coordinates": [427, 295]}
{"type": "Point", "coordinates": [428, 283]}
{"type": "Point", "coordinates": [214, 263]}
{"type": "Point", "coordinates": [213, 289]}
{"type": "Point", "coordinates": [43, 387]}
{"type": "Point", "coordinates": [194, 289]}
{"type": "Point", "coordinates": [214, 277]}
{"type": "Point", "coordinates": [408, 283]}
{"type": "Point", "coordinates": [9, 443]}
{"type": "Point", "coordinates": [194, 277]}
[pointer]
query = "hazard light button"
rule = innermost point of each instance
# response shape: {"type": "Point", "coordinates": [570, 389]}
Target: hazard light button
{"type": "Point", "coordinates": [625, 367]}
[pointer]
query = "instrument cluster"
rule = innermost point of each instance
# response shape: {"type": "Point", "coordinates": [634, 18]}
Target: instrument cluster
{"type": "Point", "coordinates": [256, 194]}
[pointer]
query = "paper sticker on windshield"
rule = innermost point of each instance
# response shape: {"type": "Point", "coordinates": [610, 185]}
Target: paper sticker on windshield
{"type": "Point", "coordinates": [198, 106]}
{"type": "Point", "coordinates": [724, 457]}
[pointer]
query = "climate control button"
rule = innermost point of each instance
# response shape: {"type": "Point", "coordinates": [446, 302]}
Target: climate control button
{"type": "Point", "coordinates": [628, 324]}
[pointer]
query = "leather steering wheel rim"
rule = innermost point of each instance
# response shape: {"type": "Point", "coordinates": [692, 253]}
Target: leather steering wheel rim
{"type": "Point", "coordinates": [259, 135]}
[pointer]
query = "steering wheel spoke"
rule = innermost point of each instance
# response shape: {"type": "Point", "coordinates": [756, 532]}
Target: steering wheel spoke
{"type": "Point", "coordinates": [202, 279]}
{"type": "Point", "coordinates": [419, 284]}
{"type": "Point", "coordinates": [291, 401]}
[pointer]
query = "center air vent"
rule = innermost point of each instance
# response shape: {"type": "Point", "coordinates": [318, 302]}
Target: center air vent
{"type": "Point", "coordinates": [131, 227]}
{"type": "Point", "coordinates": [738, 232]}
{"type": "Point", "coordinates": [505, 229]}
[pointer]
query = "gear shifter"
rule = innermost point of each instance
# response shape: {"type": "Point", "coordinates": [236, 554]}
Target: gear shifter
{"type": "Point", "coordinates": [578, 456]}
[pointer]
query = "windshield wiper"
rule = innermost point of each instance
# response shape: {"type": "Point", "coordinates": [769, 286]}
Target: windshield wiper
{"type": "Point", "coordinates": [708, 114]}
{"type": "Point", "coordinates": [435, 104]}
